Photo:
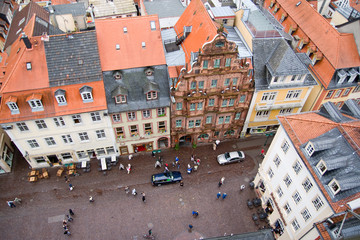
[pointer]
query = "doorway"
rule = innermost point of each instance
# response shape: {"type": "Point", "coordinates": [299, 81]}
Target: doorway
{"type": "Point", "coordinates": [53, 159]}
{"type": "Point", "coordinates": [185, 140]}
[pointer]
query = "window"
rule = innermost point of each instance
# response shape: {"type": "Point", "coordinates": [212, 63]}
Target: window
{"type": "Point", "coordinates": [39, 159]}
{"type": "Point", "coordinates": [297, 167]}
{"type": "Point", "coordinates": [28, 66]}
{"type": "Point", "coordinates": [329, 94]}
{"type": "Point", "coordinates": [216, 63]}
{"type": "Point", "coordinates": [100, 151]}
{"type": "Point", "coordinates": [227, 119]}
{"type": "Point", "coordinates": [268, 96]}
{"type": "Point", "coordinates": [131, 115]}
{"type": "Point", "coordinates": [84, 136]}
{"type": "Point", "coordinates": [296, 197]}
{"type": "Point", "coordinates": [22, 126]}
{"type": "Point", "coordinates": [285, 146]}
{"type": "Point", "coordinates": [59, 121]}
{"type": "Point", "coordinates": [192, 106]}
{"type": "Point", "coordinates": [277, 161]}
{"type": "Point", "coordinates": [295, 225]}
{"type": "Point", "coordinates": [201, 84]}
{"type": "Point", "coordinates": [81, 154]}
{"type": "Point", "coordinates": [161, 126]}
{"type": "Point", "coordinates": [334, 186]}
{"type": "Point", "coordinates": [318, 203]}
{"type": "Point", "coordinates": [287, 180]}
{"type": "Point", "coordinates": [208, 119]}
{"type": "Point", "coordinates": [110, 150]}
{"type": "Point", "coordinates": [231, 102]}
{"type": "Point", "coordinates": [224, 103]}
{"type": "Point", "coordinates": [234, 81]}
{"type": "Point", "coordinates": [213, 83]}
{"type": "Point", "coordinates": [321, 167]}
{"type": "Point", "coordinates": [270, 173]}
{"type": "Point", "coordinates": [228, 62]}
{"type": "Point", "coordinates": [147, 127]}
{"type": "Point", "coordinates": [146, 113]}
{"type": "Point", "coordinates": [346, 92]}
{"type": "Point", "coordinates": [205, 64]}
{"type": "Point", "coordinates": [262, 114]}
{"type": "Point", "coordinates": [178, 123]}
{"type": "Point", "coordinates": [33, 143]}
{"type": "Point", "coordinates": [60, 97]}
{"type": "Point", "coordinates": [161, 112]}
{"type": "Point", "coordinates": [13, 107]}
{"type": "Point", "coordinates": [67, 139]}
{"type": "Point", "coordinates": [100, 134]}
{"type": "Point", "coordinates": [287, 208]}
{"type": "Point", "coordinates": [76, 119]}
{"type": "Point", "coordinates": [178, 106]}
{"type": "Point", "coordinates": [237, 115]}
{"type": "Point", "coordinates": [197, 123]}
{"type": "Point", "coordinates": [120, 99]}
{"type": "Point", "coordinates": [293, 94]}
{"type": "Point", "coordinates": [279, 192]}
{"type": "Point", "coordinates": [86, 94]}
{"type": "Point", "coordinates": [95, 117]}
{"type": "Point", "coordinates": [338, 93]}
{"type": "Point", "coordinates": [191, 124]}
{"type": "Point", "coordinates": [151, 95]}
{"type": "Point", "coordinates": [36, 105]}
{"type": "Point", "coordinates": [309, 149]}
{"type": "Point", "coordinates": [221, 120]}
{"type": "Point", "coordinates": [116, 118]}
{"type": "Point", "coordinates": [41, 124]}
{"type": "Point", "coordinates": [193, 85]}
{"type": "Point", "coordinates": [242, 98]}
{"type": "Point", "coordinates": [50, 141]}
{"type": "Point", "coordinates": [199, 106]}
{"type": "Point", "coordinates": [219, 44]}
{"type": "Point", "coordinates": [306, 214]}
{"type": "Point", "coordinates": [307, 184]}
{"type": "Point", "coordinates": [119, 132]}
{"type": "Point", "coordinates": [211, 102]}
{"type": "Point", "coordinates": [227, 82]}
{"type": "Point", "coordinates": [133, 130]}
{"type": "Point", "coordinates": [285, 111]}
{"type": "Point", "coordinates": [152, 25]}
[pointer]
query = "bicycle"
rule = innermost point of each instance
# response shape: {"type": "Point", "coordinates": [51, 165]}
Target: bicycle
{"type": "Point", "coordinates": [146, 236]}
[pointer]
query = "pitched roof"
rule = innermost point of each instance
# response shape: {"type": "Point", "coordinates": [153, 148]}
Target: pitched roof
{"type": "Point", "coordinates": [75, 9]}
{"type": "Point", "coordinates": [203, 28]}
{"type": "Point", "coordinates": [131, 53]}
{"type": "Point", "coordinates": [21, 19]}
{"type": "Point", "coordinates": [73, 58]}
{"type": "Point", "coordinates": [339, 48]}
{"type": "Point", "coordinates": [164, 8]}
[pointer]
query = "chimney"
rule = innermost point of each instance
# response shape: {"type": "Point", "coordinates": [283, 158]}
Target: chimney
{"type": "Point", "coordinates": [26, 41]}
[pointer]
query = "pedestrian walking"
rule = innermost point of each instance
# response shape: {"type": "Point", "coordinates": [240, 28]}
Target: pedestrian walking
{"type": "Point", "coordinates": [192, 158]}
{"type": "Point", "coordinates": [133, 192]}
{"type": "Point", "coordinates": [66, 179]}
{"type": "Point", "coordinates": [67, 232]}
{"type": "Point", "coordinates": [17, 200]}
{"type": "Point", "coordinates": [178, 165]}
{"type": "Point", "coordinates": [198, 161]}
{"type": "Point", "coordinates": [177, 160]}
{"type": "Point", "coordinates": [64, 224]}
{"type": "Point", "coordinates": [70, 219]}
{"type": "Point", "coordinates": [214, 146]}
{"type": "Point", "coordinates": [71, 212]}
{"type": "Point", "coordinates": [221, 182]}
{"type": "Point", "coordinates": [153, 153]}
{"type": "Point", "coordinates": [190, 227]}
{"type": "Point", "coordinates": [224, 196]}
{"type": "Point", "coordinates": [127, 189]}
{"type": "Point", "coordinates": [143, 197]}
{"type": "Point", "coordinates": [181, 183]}
{"type": "Point", "coordinates": [121, 167]}
{"type": "Point", "coordinates": [157, 164]}
{"type": "Point", "coordinates": [130, 156]}
{"type": "Point", "coordinates": [218, 195]}
{"type": "Point", "coordinates": [11, 204]}
{"type": "Point", "coordinates": [189, 169]}
{"type": "Point", "coordinates": [128, 168]}
{"type": "Point", "coordinates": [217, 142]}
{"type": "Point", "coordinates": [71, 187]}
{"type": "Point", "coordinates": [91, 199]}
{"type": "Point", "coordinates": [166, 169]}
{"type": "Point", "coordinates": [263, 152]}
{"type": "Point", "coordinates": [195, 214]}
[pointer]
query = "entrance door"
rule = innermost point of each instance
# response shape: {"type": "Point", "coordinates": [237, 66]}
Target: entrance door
{"type": "Point", "coordinates": [185, 140]}
{"type": "Point", "coordinates": [124, 150]}
{"type": "Point", "coordinates": [53, 158]}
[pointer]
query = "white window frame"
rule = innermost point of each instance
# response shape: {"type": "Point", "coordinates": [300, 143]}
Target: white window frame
{"type": "Point", "coordinates": [61, 99]}
{"type": "Point", "coordinates": [50, 141]}
{"type": "Point", "coordinates": [270, 173]}
{"type": "Point", "coordinates": [321, 167]}
{"type": "Point", "coordinates": [36, 105]}
{"type": "Point", "coordinates": [116, 117]}
{"type": "Point", "coordinates": [309, 149]}
{"type": "Point", "coordinates": [87, 96]}
{"type": "Point", "coordinates": [33, 143]}
{"type": "Point", "coordinates": [131, 116]}
{"type": "Point", "coordinates": [306, 214]}
{"type": "Point", "coordinates": [279, 192]}
{"type": "Point", "coordinates": [100, 134]}
{"type": "Point", "coordinates": [59, 121]}
{"type": "Point", "coordinates": [120, 99]}
{"type": "Point", "coordinates": [84, 137]}
{"type": "Point", "coordinates": [318, 203]}
{"type": "Point", "coordinates": [297, 167]}
{"type": "Point", "coordinates": [295, 225]}
{"type": "Point", "coordinates": [332, 184]}
{"type": "Point", "coordinates": [40, 124]}
{"type": "Point", "coordinates": [287, 180]}
{"type": "Point", "coordinates": [296, 197]}
{"type": "Point", "coordinates": [277, 160]}
{"type": "Point", "coordinates": [293, 94]}
{"type": "Point", "coordinates": [287, 208]}
{"type": "Point", "coordinates": [67, 139]}
{"type": "Point", "coordinates": [307, 185]}
{"type": "Point", "coordinates": [22, 126]}
{"type": "Point", "coordinates": [268, 96]}
{"type": "Point", "coordinates": [285, 146]}
{"type": "Point", "coordinates": [95, 116]}
{"type": "Point", "coordinates": [14, 108]}
{"type": "Point", "coordinates": [76, 119]}
{"type": "Point", "coordinates": [146, 113]}
{"type": "Point", "coordinates": [191, 124]}
{"type": "Point", "coordinates": [152, 95]}
{"type": "Point", "coordinates": [161, 112]}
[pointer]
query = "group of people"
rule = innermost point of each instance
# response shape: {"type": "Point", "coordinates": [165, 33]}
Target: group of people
{"type": "Point", "coordinates": [66, 221]}
{"type": "Point", "coordinates": [12, 203]}
{"type": "Point", "coordinates": [134, 193]}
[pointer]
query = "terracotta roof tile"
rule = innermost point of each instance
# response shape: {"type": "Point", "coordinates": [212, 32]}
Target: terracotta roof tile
{"type": "Point", "coordinates": [130, 53]}
{"type": "Point", "coordinates": [203, 28]}
{"type": "Point", "coordinates": [339, 48]}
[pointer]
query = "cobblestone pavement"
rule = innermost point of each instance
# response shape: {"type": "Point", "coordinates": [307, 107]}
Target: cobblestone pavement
{"type": "Point", "coordinates": [116, 215]}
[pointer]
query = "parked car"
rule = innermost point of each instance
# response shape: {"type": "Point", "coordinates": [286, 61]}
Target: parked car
{"type": "Point", "coordinates": [165, 178]}
{"type": "Point", "coordinates": [230, 157]}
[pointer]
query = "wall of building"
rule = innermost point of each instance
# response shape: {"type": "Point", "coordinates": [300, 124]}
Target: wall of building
{"type": "Point", "coordinates": [338, 19]}
{"type": "Point", "coordinates": [243, 29]}
{"type": "Point", "coordinates": [6, 151]}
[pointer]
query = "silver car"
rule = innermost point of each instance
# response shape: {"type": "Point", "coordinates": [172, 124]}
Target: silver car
{"type": "Point", "coordinates": [230, 157]}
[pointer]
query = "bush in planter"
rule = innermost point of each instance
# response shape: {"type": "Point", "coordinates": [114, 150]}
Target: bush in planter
{"type": "Point", "coordinates": [194, 145]}
{"type": "Point", "coordinates": [177, 146]}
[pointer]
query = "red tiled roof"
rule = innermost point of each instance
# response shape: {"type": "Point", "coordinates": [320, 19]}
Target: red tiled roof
{"type": "Point", "coordinates": [203, 27]}
{"type": "Point", "coordinates": [131, 54]}
{"type": "Point", "coordinates": [339, 48]}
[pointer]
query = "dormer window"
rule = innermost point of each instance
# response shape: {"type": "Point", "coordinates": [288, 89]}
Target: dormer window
{"type": "Point", "coordinates": [334, 186]}
{"type": "Point", "coordinates": [86, 94]}
{"type": "Point", "coordinates": [125, 29]}
{"type": "Point", "coordinates": [342, 76]}
{"type": "Point", "coordinates": [60, 97]}
{"type": "Point", "coordinates": [353, 74]}
{"type": "Point", "coordinates": [321, 166]}
{"type": "Point", "coordinates": [120, 99]}
{"type": "Point", "coordinates": [35, 103]}
{"type": "Point", "coordinates": [271, 4]}
{"type": "Point", "coordinates": [11, 103]}
{"type": "Point", "coordinates": [117, 46]}
{"type": "Point", "coordinates": [149, 72]}
{"type": "Point", "coordinates": [283, 16]}
{"type": "Point", "coordinates": [151, 95]}
{"type": "Point", "coordinates": [309, 149]}
{"type": "Point", "coordinates": [28, 66]}
{"type": "Point", "coordinates": [152, 25]}
{"type": "Point", "coordinates": [317, 56]}
{"type": "Point", "coordinates": [143, 45]}
{"type": "Point", "coordinates": [117, 75]}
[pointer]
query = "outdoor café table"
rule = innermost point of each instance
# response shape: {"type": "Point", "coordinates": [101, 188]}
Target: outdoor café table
{"type": "Point", "coordinates": [83, 164]}
{"type": "Point", "coordinates": [103, 164]}
{"type": "Point", "coordinates": [32, 173]}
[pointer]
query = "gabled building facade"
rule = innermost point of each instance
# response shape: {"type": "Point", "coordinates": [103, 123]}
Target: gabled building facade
{"type": "Point", "coordinates": [310, 172]}
{"type": "Point", "coordinates": [53, 100]}
{"type": "Point", "coordinates": [136, 82]}
{"type": "Point", "coordinates": [7, 9]}
{"type": "Point", "coordinates": [334, 57]}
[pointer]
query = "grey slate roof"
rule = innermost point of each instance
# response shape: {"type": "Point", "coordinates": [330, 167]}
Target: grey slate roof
{"type": "Point", "coordinates": [350, 229]}
{"type": "Point", "coordinates": [222, 12]}
{"type": "Point", "coordinates": [265, 55]}
{"type": "Point", "coordinates": [330, 111]}
{"type": "Point", "coordinates": [135, 82]}
{"type": "Point", "coordinates": [164, 8]}
{"type": "Point", "coordinates": [235, 36]}
{"type": "Point", "coordinates": [175, 58]}
{"type": "Point", "coordinates": [351, 108]}
{"type": "Point", "coordinates": [75, 9]}
{"type": "Point", "coordinates": [73, 59]}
